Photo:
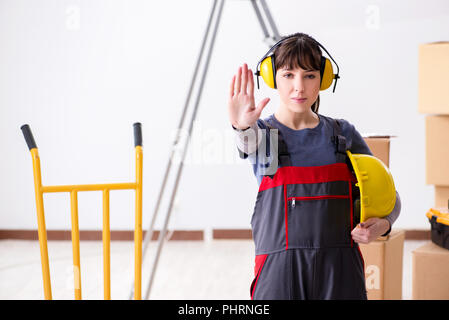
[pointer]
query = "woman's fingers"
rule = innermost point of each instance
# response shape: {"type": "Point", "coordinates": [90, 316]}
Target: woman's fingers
{"type": "Point", "coordinates": [360, 240]}
{"type": "Point", "coordinates": [231, 89]}
{"type": "Point", "coordinates": [238, 81]}
{"type": "Point", "coordinates": [358, 236]}
{"type": "Point", "coordinates": [243, 81]}
{"type": "Point", "coordinates": [244, 78]}
{"type": "Point", "coordinates": [369, 222]}
{"type": "Point", "coordinates": [262, 105]}
{"type": "Point", "coordinates": [250, 83]}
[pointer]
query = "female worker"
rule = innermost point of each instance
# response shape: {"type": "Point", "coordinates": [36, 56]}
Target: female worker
{"type": "Point", "coordinates": [305, 226]}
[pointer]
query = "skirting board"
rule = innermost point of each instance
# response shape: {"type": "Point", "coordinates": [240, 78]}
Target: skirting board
{"type": "Point", "coordinates": [128, 235]}
{"type": "Point", "coordinates": [116, 235]}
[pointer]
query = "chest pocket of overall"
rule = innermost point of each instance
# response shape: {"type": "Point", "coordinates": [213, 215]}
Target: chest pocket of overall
{"type": "Point", "coordinates": [319, 214]}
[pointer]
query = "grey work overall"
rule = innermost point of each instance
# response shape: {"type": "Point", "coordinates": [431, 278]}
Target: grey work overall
{"type": "Point", "coordinates": [301, 226]}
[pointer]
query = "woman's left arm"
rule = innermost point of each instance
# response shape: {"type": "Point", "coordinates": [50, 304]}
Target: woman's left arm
{"type": "Point", "coordinates": [372, 228]}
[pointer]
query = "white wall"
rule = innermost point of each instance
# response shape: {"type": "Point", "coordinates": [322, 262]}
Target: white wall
{"type": "Point", "coordinates": [81, 72]}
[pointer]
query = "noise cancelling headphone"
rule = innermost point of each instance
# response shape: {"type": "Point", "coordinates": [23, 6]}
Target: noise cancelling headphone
{"type": "Point", "coordinates": [267, 70]}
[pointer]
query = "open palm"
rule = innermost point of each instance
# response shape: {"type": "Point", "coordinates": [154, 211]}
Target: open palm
{"type": "Point", "coordinates": [242, 110]}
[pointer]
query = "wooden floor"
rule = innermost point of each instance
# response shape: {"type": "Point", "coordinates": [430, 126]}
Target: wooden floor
{"type": "Point", "coordinates": [187, 270]}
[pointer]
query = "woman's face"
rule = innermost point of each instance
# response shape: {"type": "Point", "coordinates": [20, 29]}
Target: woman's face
{"type": "Point", "coordinates": [298, 88]}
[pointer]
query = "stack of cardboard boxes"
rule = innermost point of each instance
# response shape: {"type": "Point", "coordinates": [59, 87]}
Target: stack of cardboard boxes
{"type": "Point", "coordinates": [383, 257]}
{"type": "Point", "coordinates": [433, 100]}
{"type": "Point", "coordinates": [430, 263]}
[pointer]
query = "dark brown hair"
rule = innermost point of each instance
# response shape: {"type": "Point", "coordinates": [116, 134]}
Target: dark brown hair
{"type": "Point", "coordinates": [299, 51]}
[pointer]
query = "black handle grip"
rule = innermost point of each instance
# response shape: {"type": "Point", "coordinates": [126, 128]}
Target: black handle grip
{"type": "Point", "coordinates": [28, 136]}
{"type": "Point", "coordinates": [137, 134]}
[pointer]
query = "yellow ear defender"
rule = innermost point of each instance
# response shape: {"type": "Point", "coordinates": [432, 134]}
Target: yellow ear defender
{"type": "Point", "coordinates": [267, 70]}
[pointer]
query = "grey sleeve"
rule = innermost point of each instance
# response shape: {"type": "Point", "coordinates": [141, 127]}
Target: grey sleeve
{"type": "Point", "coordinates": [359, 146]}
{"type": "Point", "coordinates": [248, 140]}
{"type": "Point", "coordinates": [396, 210]}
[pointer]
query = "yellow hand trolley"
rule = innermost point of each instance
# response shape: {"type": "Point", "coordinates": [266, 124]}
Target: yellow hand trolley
{"type": "Point", "coordinates": [73, 190]}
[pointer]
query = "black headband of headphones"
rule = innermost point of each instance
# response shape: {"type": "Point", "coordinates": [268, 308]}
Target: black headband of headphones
{"type": "Point", "coordinates": [257, 73]}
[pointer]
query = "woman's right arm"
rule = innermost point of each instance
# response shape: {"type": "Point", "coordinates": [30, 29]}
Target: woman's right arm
{"type": "Point", "coordinates": [243, 113]}
{"type": "Point", "coordinates": [248, 140]}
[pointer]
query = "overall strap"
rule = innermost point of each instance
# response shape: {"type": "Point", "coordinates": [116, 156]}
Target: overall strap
{"type": "Point", "coordinates": [340, 142]}
{"type": "Point", "coordinates": [283, 154]}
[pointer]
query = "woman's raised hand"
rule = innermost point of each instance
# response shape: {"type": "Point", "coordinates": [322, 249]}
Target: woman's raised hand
{"type": "Point", "coordinates": [242, 110]}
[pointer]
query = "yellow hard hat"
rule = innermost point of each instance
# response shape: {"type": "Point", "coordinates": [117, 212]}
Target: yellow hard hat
{"type": "Point", "coordinates": [377, 190]}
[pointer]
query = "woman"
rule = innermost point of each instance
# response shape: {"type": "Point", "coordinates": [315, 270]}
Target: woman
{"type": "Point", "coordinates": [305, 227]}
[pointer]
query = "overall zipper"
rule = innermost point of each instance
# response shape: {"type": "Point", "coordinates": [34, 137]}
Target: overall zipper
{"type": "Point", "coordinates": [316, 198]}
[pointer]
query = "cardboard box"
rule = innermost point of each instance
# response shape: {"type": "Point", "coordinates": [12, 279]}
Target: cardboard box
{"type": "Point", "coordinates": [433, 80]}
{"type": "Point", "coordinates": [383, 266]}
{"type": "Point", "coordinates": [441, 196]}
{"type": "Point", "coordinates": [380, 147]}
{"type": "Point", "coordinates": [437, 151]}
{"type": "Point", "coordinates": [430, 272]}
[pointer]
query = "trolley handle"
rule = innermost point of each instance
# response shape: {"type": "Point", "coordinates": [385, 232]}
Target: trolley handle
{"type": "Point", "coordinates": [137, 134]}
{"type": "Point", "coordinates": [28, 136]}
